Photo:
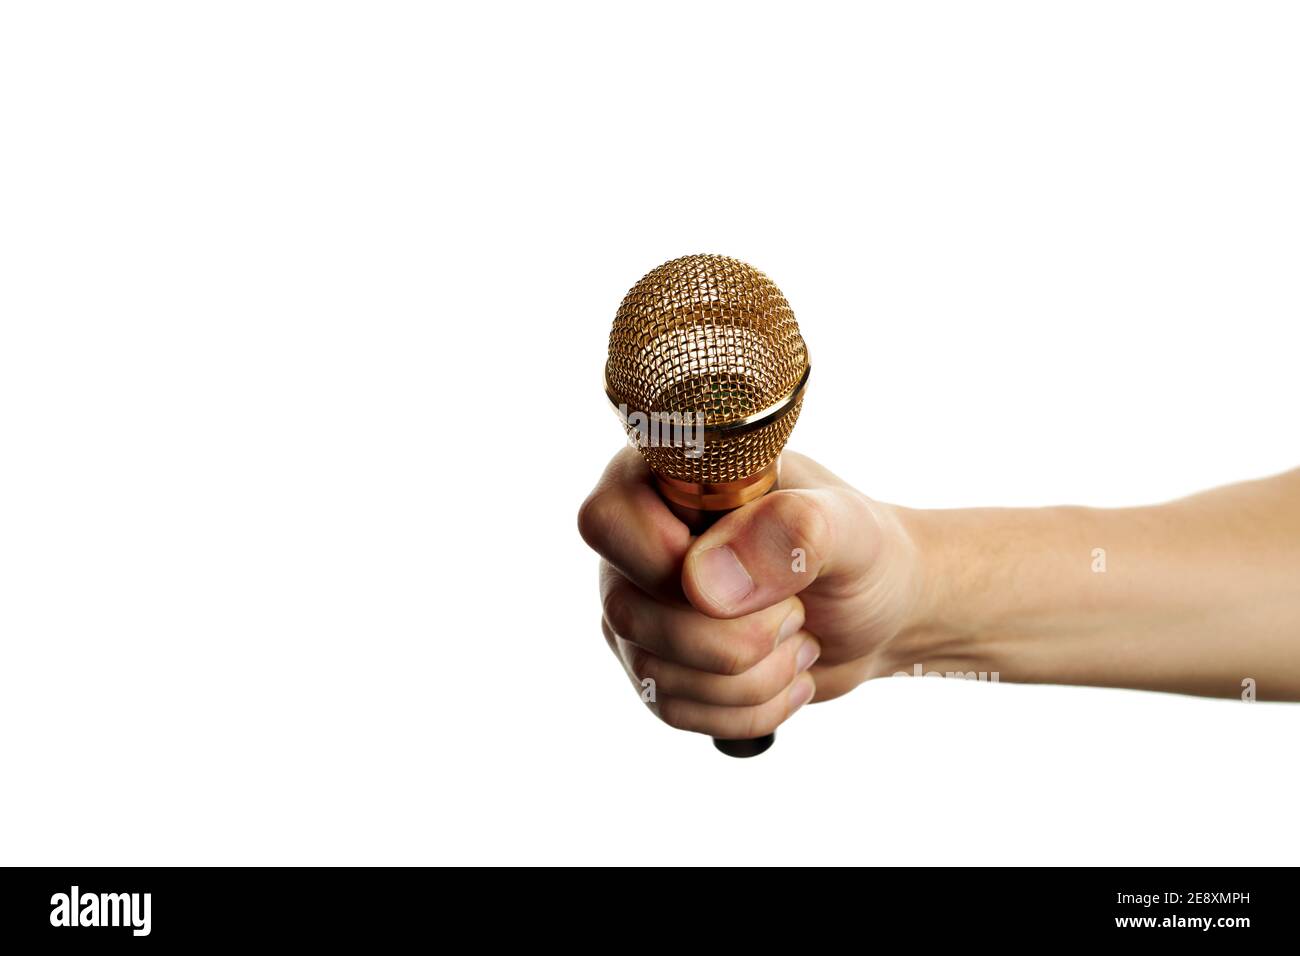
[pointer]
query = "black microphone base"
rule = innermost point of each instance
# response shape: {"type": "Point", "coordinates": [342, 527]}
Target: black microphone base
{"type": "Point", "coordinates": [745, 748]}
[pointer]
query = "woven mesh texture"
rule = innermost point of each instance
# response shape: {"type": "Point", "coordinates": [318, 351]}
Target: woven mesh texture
{"type": "Point", "coordinates": [715, 337]}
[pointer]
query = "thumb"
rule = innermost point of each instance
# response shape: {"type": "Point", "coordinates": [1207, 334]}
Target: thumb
{"type": "Point", "coordinates": [777, 546]}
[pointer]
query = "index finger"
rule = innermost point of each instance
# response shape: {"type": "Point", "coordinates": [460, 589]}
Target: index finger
{"type": "Point", "coordinates": [626, 522]}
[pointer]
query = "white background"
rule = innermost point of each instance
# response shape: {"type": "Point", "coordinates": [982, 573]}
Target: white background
{"type": "Point", "coordinates": [304, 309]}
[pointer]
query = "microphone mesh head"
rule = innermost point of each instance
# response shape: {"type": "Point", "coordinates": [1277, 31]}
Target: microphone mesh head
{"type": "Point", "coordinates": [712, 336]}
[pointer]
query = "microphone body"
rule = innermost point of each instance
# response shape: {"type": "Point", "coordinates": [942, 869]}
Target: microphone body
{"type": "Point", "coordinates": [707, 370]}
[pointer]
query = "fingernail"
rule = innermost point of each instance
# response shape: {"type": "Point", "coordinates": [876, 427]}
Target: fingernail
{"type": "Point", "coordinates": [801, 693]}
{"type": "Point", "coordinates": [722, 578]}
{"type": "Point", "coordinates": [807, 655]}
{"type": "Point", "coordinates": [790, 626]}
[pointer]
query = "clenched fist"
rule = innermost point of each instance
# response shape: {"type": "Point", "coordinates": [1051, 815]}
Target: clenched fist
{"type": "Point", "coordinates": [792, 598]}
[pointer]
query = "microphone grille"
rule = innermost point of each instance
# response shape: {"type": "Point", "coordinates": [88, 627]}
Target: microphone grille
{"type": "Point", "coordinates": [713, 336]}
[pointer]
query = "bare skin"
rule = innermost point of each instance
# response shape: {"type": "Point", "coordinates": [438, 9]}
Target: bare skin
{"type": "Point", "coordinates": [1196, 596]}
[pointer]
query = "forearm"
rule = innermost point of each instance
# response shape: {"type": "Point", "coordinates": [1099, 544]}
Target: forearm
{"type": "Point", "coordinates": [1193, 596]}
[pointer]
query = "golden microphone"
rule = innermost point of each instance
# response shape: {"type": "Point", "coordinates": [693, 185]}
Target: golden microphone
{"type": "Point", "coordinates": [707, 371]}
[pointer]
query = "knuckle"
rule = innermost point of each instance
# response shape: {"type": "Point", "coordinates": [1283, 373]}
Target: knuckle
{"type": "Point", "coordinates": [753, 643]}
{"type": "Point", "coordinates": [777, 681]}
{"type": "Point", "coordinates": [749, 655]}
{"type": "Point", "coordinates": [735, 657]}
{"type": "Point", "coordinates": [757, 691]}
{"type": "Point", "coordinates": [762, 720]}
{"type": "Point", "coordinates": [615, 604]}
{"type": "Point", "coordinates": [595, 517]}
{"type": "Point", "coordinates": [641, 663]}
{"type": "Point", "coordinates": [759, 631]}
{"type": "Point", "coordinates": [670, 712]}
{"type": "Point", "coordinates": [803, 521]}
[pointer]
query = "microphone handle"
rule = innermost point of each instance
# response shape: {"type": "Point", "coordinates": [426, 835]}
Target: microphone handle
{"type": "Point", "coordinates": [700, 521]}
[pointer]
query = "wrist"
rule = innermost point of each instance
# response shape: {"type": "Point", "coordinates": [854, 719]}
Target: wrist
{"type": "Point", "coordinates": [953, 624]}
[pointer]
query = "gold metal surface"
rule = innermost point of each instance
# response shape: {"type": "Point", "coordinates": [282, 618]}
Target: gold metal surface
{"type": "Point", "coordinates": [717, 496]}
{"type": "Point", "coordinates": [712, 337]}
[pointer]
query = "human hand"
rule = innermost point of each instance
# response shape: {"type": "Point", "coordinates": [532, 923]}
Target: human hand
{"type": "Point", "coordinates": [795, 597]}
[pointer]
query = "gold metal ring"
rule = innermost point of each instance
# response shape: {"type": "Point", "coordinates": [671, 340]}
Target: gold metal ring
{"type": "Point", "coordinates": [739, 427]}
{"type": "Point", "coordinates": [718, 496]}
